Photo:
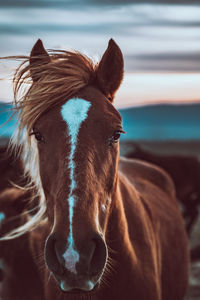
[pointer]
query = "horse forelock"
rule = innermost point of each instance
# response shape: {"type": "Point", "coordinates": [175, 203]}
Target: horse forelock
{"type": "Point", "coordinates": [62, 78]}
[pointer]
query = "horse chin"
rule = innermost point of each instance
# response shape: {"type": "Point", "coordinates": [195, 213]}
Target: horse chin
{"type": "Point", "coordinates": [80, 286]}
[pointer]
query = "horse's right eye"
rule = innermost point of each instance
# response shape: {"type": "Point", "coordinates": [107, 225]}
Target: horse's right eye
{"type": "Point", "coordinates": [38, 136]}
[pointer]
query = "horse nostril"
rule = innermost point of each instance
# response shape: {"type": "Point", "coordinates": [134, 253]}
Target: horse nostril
{"type": "Point", "coordinates": [52, 258]}
{"type": "Point", "coordinates": [98, 257]}
{"type": "Point", "coordinates": [58, 248]}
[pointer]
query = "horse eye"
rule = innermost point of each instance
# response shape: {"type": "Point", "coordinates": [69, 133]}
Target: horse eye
{"type": "Point", "coordinates": [38, 136]}
{"type": "Point", "coordinates": [116, 136]}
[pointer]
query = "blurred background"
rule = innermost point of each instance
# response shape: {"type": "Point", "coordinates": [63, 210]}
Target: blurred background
{"type": "Point", "coordinates": [160, 96]}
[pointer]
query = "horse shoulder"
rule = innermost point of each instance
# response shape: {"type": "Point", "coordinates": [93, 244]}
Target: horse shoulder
{"type": "Point", "coordinates": [161, 229]}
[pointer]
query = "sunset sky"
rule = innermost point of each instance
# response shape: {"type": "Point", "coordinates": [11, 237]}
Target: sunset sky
{"type": "Point", "coordinates": [160, 42]}
{"type": "Point", "coordinates": [144, 88]}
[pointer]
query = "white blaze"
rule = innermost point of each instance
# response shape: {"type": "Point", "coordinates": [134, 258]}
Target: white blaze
{"type": "Point", "coordinates": [74, 113]}
{"type": "Point", "coordinates": [2, 217]}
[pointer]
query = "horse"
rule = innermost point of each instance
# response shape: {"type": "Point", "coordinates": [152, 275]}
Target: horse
{"type": "Point", "coordinates": [19, 277]}
{"type": "Point", "coordinates": [109, 227]}
{"type": "Point", "coordinates": [11, 169]}
{"type": "Point", "coordinates": [185, 172]}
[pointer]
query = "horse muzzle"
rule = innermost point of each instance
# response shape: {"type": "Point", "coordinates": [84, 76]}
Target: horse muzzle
{"type": "Point", "coordinates": [76, 270]}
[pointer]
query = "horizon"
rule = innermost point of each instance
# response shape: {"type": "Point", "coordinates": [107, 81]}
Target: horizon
{"type": "Point", "coordinates": [159, 122]}
{"type": "Point", "coordinates": [180, 88]}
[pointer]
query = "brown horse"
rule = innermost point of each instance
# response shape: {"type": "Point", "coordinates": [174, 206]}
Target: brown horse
{"type": "Point", "coordinates": [11, 169]}
{"type": "Point", "coordinates": [185, 172]}
{"type": "Point", "coordinates": [19, 277]}
{"type": "Point", "coordinates": [114, 230]}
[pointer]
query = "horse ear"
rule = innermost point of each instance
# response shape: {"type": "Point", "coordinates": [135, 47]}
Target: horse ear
{"type": "Point", "coordinates": [110, 70]}
{"type": "Point", "coordinates": [38, 56]}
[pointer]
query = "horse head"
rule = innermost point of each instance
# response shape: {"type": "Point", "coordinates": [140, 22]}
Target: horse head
{"type": "Point", "coordinates": [73, 129]}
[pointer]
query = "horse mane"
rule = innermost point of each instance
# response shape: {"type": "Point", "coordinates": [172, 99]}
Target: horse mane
{"type": "Point", "coordinates": [63, 77]}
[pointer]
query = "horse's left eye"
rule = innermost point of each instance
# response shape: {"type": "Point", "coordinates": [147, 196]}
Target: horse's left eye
{"type": "Point", "coordinates": [116, 136]}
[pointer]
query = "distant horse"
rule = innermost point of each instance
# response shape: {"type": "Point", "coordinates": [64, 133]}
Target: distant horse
{"type": "Point", "coordinates": [185, 172]}
{"type": "Point", "coordinates": [11, 169]}
{"type": "Point", "coordinates": [19, 277]}
{"type": "Point", "coordinates": [113, 228]}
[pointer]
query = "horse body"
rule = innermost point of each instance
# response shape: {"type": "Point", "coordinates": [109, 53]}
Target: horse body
{"type": "Point", "coordinates": [160, 218]}
{"type": "Point", "coordinates": [109, 229]}
{"type": "Point", "coordinates": [19, 274]}
{"type": "Point", "coordinates": [185, 172]}
{"type": "Point", "coordinates": [11, 169]}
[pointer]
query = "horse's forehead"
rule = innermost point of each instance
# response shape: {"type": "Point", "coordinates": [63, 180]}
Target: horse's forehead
{"type": "Point", "coordinates": [77, 111]}
{"type": "Point", "coordinates": [80, 109]}
{"type": "Point", "coordinates": [74, 112]}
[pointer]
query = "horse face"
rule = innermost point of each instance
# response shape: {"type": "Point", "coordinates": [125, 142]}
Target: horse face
{"type": "Point", "coordinates": [78, 151]}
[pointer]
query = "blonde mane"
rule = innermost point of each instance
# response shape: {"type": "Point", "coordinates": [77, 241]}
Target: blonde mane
{"type": "Point", "coordinates": [63, 77]}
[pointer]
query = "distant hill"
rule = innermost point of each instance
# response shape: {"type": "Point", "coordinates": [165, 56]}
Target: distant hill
{"type": "Point", "coordinates": [162, 122]}
{"type": "Point", "coordinates": [6, 127]}
{"type": "Point", "coordinates": [154, 122]}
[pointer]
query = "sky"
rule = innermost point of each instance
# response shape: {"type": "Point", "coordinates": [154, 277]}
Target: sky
{"type": "Point", "coordinates": [160, 42]}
